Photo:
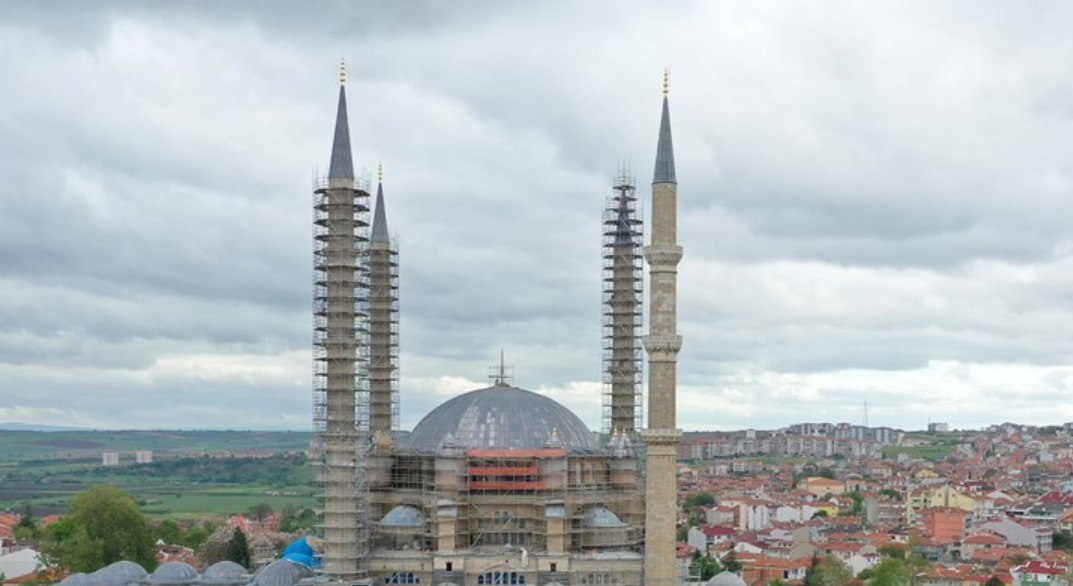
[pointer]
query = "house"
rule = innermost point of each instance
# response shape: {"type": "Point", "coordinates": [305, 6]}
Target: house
{"type": "Point", "coordinates": [1040, 573]}
{"type": "Point", "coordinates": [17, 564]}
{"type": "Point", "coordinates": [703, 536]}
{"type": "Point", "coordinates": [978, 541]}
{"type": "Point", "coordinates": [1022, 534]}
{"type": "Point", "coordinates": [820, 486]}
{"type": "Point", "coordinates": [943, 524]}
{"type": "Point", "coordinates": [763, 569]}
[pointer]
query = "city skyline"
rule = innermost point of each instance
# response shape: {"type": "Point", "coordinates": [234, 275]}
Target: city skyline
{"type": "Point", "coordinates": [871, 199]}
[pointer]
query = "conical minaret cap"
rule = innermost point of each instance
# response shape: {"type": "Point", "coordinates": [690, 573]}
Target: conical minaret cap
{"type": "Point", "coordinates": [342, 165]}
{"type": "Point", "coordinates": [380, 233]}
{"type": "Point", "coordinates": [664, 172]}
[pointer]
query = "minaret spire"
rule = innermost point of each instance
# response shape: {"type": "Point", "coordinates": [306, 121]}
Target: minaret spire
{"type": "Point", "coordinates": [662, 344]}
{"type": "Point", "coordinates": [664, 172]}
{"type": "Point", "coordinates": [342, 164]}
{"type": "Point", "coordinates": [380, 232]}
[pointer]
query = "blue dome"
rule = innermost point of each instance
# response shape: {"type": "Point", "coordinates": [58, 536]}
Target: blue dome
{"type": "Point", "coordinates": [503, 418]}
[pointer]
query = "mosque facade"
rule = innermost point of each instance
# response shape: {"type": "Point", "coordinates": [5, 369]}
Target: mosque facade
{"type": "Point", "coordinates": [500, 485]}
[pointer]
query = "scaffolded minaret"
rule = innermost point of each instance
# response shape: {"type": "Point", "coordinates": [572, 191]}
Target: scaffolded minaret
{"type": "Point", "coordinates": [383, 323]}
{"type": "Point", "coordinates": [623, 288]}
{"type": "Point", "coordinates": [662, 344]}
{"type": "Point", "coordinates": [340, 237]}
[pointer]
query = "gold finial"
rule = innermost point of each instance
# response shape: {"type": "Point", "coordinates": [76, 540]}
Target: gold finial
{"type": "Point", "coordinates": [666, 81]}
{"type": "Point", "coordinates": [380, 172]}
{"type": "Point", "coordinates": [342, 71]}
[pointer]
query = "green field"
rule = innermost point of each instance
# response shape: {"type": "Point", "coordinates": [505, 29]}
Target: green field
{"type": "Point", "coordinates": [45, 469]}
{"type": "Point", "coordinates": [18, 446]}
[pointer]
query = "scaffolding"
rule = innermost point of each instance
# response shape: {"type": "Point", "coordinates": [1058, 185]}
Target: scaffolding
{"type": "Point", "coordinates": [383, 348]}
{"type": "Point", "coordinates": [340, 391]}
{"type": "Point", "coordinates": [623, 282]}
{"type": "Point", "coordinates": [480, 505]}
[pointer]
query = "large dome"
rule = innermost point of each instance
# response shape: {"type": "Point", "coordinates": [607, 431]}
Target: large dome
{"type": "Point", "coordinates": [503, 418]}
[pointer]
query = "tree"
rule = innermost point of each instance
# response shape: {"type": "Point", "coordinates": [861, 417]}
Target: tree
{"type": "Point", "coordinates": [893, 551]}
{"type": "Point", "coordinates": [994, 581]}
{"type": "Point", "coordinates": [238, 550]}
{"type": "Point", "coordinates": [704, 567]}
{"type": "Point", "coordinates": [1062, 540]}
{"type": "Point", "coordinates": [681, 533]}
{"type": "Point", "coordinates": [260, 511]}
{"type": "Point", "coordinates": [891, 493]}
{"type": "Point", "coordinates": [828, 571]}
{"type": "Point", "coordinates": [214, 549]}
{"type": "Point", "coordinates": [858, 505]}
{"type": "Point", "coordinates": [26, 529]}
{"type": "Point", "coordinates": [894, 572]}
{"type": "Point", "coordinates": [700, 499]}
{"type": "Point", "coordinates": [103, 525]}
{"type": "Point", "coordinates": [293, 519]}
{"type": "Point", "coordinates": [196, 535]}
{"type": "Point", "coordinates": [731, 562]}
{"type": "Point", "coordinates": [169, 532]}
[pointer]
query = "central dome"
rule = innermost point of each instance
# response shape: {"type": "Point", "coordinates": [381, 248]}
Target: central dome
{"type": "Point", "coordinates": [503, 418]}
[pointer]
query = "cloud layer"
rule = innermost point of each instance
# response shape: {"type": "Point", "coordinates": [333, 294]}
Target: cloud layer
{"type": "Point", "coordinates": [874, 203]}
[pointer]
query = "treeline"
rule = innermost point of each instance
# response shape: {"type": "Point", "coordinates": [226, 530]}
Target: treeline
{"type": "Point", "coordinates": [277, 470]}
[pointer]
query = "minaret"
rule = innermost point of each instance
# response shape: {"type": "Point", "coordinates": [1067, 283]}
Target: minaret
{"type": "Point", "coordinates": [340, 227]}
{"type": "Point", "coordinates": [623, 288]}
{"type": "Point", "coordinates": [662, 344]}
{"type": "Point", "coordinates": [383, 322]}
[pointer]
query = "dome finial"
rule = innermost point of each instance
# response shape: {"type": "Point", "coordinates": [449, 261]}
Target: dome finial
{"type": "Point", "coordinates": [380, 172]}
{"type": "Point", "coordinates": [342, 71]}
{"type": "Point", "coordinates": [666, 81]}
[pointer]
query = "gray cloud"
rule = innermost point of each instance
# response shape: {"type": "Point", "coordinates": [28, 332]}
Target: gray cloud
{"type": "Point", "coordinates": [873, 198]}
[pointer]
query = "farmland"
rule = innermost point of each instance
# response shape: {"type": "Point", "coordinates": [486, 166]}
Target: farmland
{"type": "Point", "coordinates": [193, 473]}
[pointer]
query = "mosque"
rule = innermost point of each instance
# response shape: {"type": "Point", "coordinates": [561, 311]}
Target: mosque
{"type": "Point", "coordinates": [499, 485]}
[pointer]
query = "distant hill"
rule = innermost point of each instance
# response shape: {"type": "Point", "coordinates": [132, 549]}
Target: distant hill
{"type": "Point", "coordinates": [11, 426]}
{"type": "Point", "coordinates": [28, 444]}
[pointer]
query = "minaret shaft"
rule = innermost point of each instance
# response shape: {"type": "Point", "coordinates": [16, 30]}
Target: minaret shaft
{"type": "Point", "coordinates": [662, 345]}
{"type": "Point", "coordinates": [340, 237]}
{"type": "Point", "coordinates": [383, 325]}
{"type": "Point", "coordinates": [622, 302]}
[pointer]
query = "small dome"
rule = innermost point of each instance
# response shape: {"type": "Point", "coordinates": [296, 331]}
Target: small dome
{"type": "Point", "coordinates": [122, 573]}
{"type": "Point", "coordinates": [403, 516]}
{"type": "Point", "coordinates": [172, 573]}
{"type": "Point", "coordinates": [502, 418]}
{"type": "Point", "coordinates": [726, 579]}
{"type": "Point", "coordinates": [81, 579]}
{"type": "Point", "coordinates": [601, 517]}
{"type": "Point", "coordinates": [223, 573]}
{"type": "Point", "coordinates": [282, 573]}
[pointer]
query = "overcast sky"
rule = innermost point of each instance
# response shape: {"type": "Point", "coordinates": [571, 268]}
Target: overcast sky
{"type": "Point", "coordinates": [874, 202]}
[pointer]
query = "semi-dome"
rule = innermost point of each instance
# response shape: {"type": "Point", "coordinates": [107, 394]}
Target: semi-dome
{"type": "Point", "coordinates": [600, 517]}
{"type": "Point", "coordinates": [403, 516]}
{"type": "Point", "coordinates": [503, 417]}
